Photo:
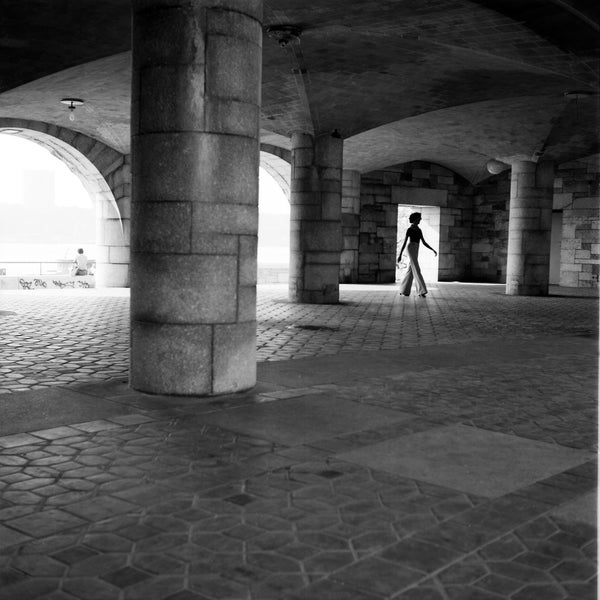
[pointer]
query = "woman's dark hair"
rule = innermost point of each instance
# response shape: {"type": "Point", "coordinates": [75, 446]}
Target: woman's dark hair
{"type": "Point", "coordinates": [80, 251]}
{"type": "Point", "coordinates": [413, 217]}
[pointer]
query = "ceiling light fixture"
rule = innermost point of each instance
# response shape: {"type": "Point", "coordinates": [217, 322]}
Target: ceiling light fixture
{"type": "Point", "coordinates": [284, 34]}
{"type": "Point", "coordinates": [72, 104]}
{"type": "Point", "coordinates": [576, 94]}
{"type": "Point", "coordinates": [495, 167]}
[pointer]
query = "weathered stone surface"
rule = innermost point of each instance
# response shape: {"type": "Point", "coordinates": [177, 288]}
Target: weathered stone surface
{"type": "Point", "coordinates": [234, 357]}
{"type": "Point", "coordinates": [196, 92]}
{"type": "Point", "coordinates": [162, 227]}
{"type": "Point", "coordinates": [316, 207]}
{"type": "Point", "coordinates": [156, 346]}
{"type": "Point", "coordinates": [192, 288]}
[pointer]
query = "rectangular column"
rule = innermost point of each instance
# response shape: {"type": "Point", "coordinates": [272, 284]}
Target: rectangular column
{"type": "Point", "coordinates": [315, 219]}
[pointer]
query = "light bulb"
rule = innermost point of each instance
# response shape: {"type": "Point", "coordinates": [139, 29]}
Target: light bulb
{"type": "Point", "coordinates": [72, 104]}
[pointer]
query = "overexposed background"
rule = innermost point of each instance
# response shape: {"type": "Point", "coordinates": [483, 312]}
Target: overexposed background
{"type": "Point", "coordinates": [46, 213]}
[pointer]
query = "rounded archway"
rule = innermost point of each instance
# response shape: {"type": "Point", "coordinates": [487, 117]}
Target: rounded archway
{"type": "Point", "coordinates": [105, 174]}
{"type": "Point", "coordinates": [45, 216]}
{"type": "Point", "coordinates": [277, 163]}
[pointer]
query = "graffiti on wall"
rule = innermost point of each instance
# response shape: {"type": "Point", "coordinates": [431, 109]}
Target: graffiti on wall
{"type": "Point", "coordinates": [36, 283]}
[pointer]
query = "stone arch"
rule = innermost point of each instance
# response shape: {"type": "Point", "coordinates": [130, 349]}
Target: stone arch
{"type": "Point", "coordinates": [277, 163]}
{"type": "Point", "coordinates": [106, 175]}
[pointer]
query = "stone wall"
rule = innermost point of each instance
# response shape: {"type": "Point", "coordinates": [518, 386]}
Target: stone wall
{"type": "Point", "coordinates": [577, 195]}
{"type": "Point", "coordinates": [350, 226]}
{"type": "Point", "coordinates": [377, 231]}
{"type": "Point", "coordinates": [490, 229]}
{"type": "Point", "coordinates": [413, 184]}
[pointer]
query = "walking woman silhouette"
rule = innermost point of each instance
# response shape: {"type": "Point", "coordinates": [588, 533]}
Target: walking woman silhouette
{"type": "Point", "coordinates": [414, 235]}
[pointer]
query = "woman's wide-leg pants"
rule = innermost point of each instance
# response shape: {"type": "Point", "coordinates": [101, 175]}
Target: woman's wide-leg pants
{"type": "Point", "coordinates": [414, 272]}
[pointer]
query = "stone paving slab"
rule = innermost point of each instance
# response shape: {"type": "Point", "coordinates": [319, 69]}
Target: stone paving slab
{"type": "Point", "coordinates": [292, 422]}
{"type": "Point", "coordinates": [39, 408]}
{"type": "Point", "coordinates": [310, 371]}
{"type": "Point", "coordinates": [485, 463]}
{"type": "Point", "coordinates": [583, 509]}
{"type": "Point", "coordinates": [305, 528]}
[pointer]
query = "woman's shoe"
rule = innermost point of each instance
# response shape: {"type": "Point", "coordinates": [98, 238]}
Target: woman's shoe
{"type": "Point", "coordinates": [423, 295]}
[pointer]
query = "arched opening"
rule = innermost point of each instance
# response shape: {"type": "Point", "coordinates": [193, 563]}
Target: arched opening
{"type": "Point", "coordinates": [46, 213]}
{"type": "Point", "coordinates": [273, 230]}
{"type": "Point", "coordinates": [105, 175]}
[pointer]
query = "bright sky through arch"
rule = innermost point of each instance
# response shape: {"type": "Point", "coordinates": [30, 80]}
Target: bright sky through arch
{"type": "Point", "coordinates": [271, 200]}
{"type": "Point", "coordinates": [20, 159]}
{"type": "Point", "coordinates": [18, 156]}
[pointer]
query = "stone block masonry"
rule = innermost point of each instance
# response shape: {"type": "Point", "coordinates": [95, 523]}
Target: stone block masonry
{"type": "Point", "coordinates": [413, 184]}
{"type": "Point", "coordinates": [576, 197]}
{"type": "Point", "coordinates": [376, 209]}
{"type": "Point", "coordinates": [490, 229]}
{"type": "Point", "coordinates": [194, 195]}
{"type": "Point", "coordinates": [315, 218]}
{"type": "Point", "coordinates": [350, 226]}
{"type": "Point", "coordinates": [576, 194]}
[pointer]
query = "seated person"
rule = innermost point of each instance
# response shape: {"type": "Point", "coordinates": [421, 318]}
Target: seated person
{"type": "Point", "coordinates": [80, 263]}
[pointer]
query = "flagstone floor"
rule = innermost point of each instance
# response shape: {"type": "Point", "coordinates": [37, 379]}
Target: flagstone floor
{"type": "Point", "coordinates": [394, 448]}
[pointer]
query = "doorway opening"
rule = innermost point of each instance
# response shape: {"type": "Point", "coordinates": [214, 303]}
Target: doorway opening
{"type": "Point", "coordinates": [430, 226]}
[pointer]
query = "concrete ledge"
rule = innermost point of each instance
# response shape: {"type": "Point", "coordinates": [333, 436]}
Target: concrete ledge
{"type": "Point", "coordinates": [43, 282]}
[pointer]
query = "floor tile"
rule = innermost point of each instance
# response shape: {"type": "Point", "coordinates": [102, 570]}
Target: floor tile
{"type": "Point", "coordinates": [583, 509]}
{"type": "Point", "coordinates": [139, 497]}
{"type": "Point", "coordinates": [472, 460]}
{"type": "Point", "coordinates": [302, 420]}
{"type": "Point", "coordinates": [46, 523]}
{"type": "Point", "coordinates": [9, 537]}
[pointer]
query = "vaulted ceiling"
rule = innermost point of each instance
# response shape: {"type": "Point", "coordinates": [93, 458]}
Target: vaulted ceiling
{"type": "Point", "coordinates": [454, 82]}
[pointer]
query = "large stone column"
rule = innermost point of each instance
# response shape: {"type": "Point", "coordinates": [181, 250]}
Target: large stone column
{"type": "Point", "coordinates": [195, 158]}
{"type": "Point", "coordinates": [315, 213]}
{"type": "Point", "coordinates": [529, 228]}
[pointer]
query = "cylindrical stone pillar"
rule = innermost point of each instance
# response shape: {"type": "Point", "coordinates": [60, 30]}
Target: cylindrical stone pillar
{"type": "Point", "coordinates": [195, 157]}
{"type": "Point", "coordinates": [315, 219]}
{"type": "Point", "coordinates": [529, 228]}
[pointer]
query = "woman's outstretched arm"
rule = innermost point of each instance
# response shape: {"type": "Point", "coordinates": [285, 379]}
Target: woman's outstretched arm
{"type": "Point", "coordinates": [427, 245]}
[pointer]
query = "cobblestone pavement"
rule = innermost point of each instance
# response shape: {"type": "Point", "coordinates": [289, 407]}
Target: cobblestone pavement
{"type": "Point", "coordinates": [50, 338]}
{"type": "Point", "coordinates": [437, 449]}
